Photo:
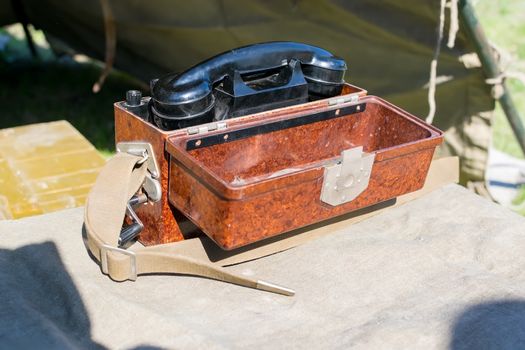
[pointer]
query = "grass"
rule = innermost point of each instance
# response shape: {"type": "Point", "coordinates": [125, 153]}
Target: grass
{"type": "Point", "coordinates": [52, 88]}
{"type": "Point", "coordinates": [504, 24]}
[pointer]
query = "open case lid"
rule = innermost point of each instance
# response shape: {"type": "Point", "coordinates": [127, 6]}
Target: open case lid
{"type": "Point", "coordinates": [236, 160]}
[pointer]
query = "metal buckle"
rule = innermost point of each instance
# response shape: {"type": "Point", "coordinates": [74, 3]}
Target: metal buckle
{"type": "Point", "coordinates": [104, 259]}
{"type": "Point", "coordinates": [143, 149]}
{"type": "Point", "coordinates": [144, 157]}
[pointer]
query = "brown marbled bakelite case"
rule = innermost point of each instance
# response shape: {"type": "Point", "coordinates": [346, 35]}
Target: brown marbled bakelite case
{"type": "Point", "coordinates": [263, 177]}
{"type": "Point", "coordinates": [164, 223]}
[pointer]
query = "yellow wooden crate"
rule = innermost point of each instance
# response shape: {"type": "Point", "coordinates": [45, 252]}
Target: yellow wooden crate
{"type": "Point", "coordinates": [45, 167]}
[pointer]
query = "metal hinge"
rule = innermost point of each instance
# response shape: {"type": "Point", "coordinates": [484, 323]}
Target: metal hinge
{"type": "Point", "coordinates": [352, 98]}
{"type": "Point", "coordinates": [348, 178]}
{"type": "Point", "coordinates": [202, 129]}
{"type": "Point", "coordinates": [151, 182]}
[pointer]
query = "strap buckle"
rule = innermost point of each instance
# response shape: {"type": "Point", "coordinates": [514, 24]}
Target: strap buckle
{"type": "Point", "coordinates": [104, 249]}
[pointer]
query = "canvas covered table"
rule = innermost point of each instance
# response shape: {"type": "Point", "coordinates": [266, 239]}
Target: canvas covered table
{"type": "Point", "coordinates": [442, 271]}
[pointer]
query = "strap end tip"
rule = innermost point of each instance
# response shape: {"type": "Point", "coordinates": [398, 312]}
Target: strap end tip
{"type": "Point", "coordinates": [274, 288]}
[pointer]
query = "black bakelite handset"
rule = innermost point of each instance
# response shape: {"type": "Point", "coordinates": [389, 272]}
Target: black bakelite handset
{"type": "Point", "coordinates": [246, 80]}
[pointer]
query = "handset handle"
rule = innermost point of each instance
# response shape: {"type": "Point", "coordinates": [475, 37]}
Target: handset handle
{"type": "Point", "coordinates": [190, 93]}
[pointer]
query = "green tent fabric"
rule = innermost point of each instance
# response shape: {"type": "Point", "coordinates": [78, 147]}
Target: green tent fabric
{"type": "Point", "coordinates": [387, 44]}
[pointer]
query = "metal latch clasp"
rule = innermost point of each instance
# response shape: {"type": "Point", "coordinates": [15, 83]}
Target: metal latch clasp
{"type": "Point", "coordinates": [348, 178]}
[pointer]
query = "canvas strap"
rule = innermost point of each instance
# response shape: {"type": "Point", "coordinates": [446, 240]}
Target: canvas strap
{"type": "Point", "coordinates": [105, 208]}
{"type": "Point", "coordinates": [124, 175]}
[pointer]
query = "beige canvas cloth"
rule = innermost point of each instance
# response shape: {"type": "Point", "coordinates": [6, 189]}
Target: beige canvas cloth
{"type": "Point", "coordinates": [442, 271]}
